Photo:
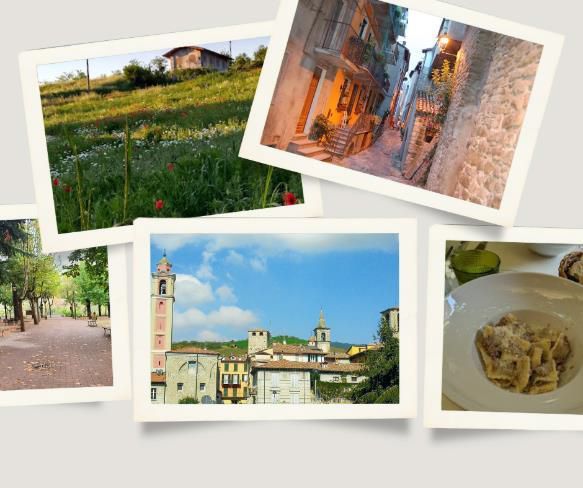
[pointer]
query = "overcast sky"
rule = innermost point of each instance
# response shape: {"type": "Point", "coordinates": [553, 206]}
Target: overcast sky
{"type": "Point", "coordinates": [422, 30]}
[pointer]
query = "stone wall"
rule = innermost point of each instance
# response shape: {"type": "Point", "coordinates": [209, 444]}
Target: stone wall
{"type": "Point", "coordinates": [204, 370]}
{"type": "Point", "coordinates": [494, 77]}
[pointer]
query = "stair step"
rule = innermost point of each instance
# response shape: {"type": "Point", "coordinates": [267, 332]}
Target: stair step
{"type": "Point", "coordinates": [309, 150]}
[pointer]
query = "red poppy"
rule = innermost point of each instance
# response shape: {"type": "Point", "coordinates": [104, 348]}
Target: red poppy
{"type": "Point", "coordinates": [67, 188]}
{"type": "Point", "coordinates": [56, 181]}
{"type": "Point", "coordinates": [7, 236]}
{"type": "Point", "coordinates": [170, 166]}
{"type": "Point", "coordinates": [159, 204]}
{"type": "Point", "coordinates": [289, 198]}
{"type": "Point", "coordinates": [184, 114]}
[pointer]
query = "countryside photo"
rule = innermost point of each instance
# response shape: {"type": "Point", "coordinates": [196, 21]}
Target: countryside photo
{"type": "Point", "coordinates": [273, 319]}
{"type": "Point", "coordinates": [396, 93]}
{"type": "Point", "coordinates": [156, 134]}
{"type": "Point", "coordinates": [55, 326]}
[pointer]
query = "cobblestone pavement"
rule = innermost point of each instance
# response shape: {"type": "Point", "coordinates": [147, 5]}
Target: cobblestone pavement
{"type": "Point", "coordinates": [380, 159]}
{"type": "Point", "coordinates": [57, 353]}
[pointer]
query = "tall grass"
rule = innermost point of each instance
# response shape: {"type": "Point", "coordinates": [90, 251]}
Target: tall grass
{"type": "Point", "coordinates": [125, 150]}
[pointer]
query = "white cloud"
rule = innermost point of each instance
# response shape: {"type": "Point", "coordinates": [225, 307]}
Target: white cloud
{"type": "Point", "coordinates": [209, 336]}
{"type": "Point", "coordinates": [273, 244]}
{"type": "Point", "coordinates": [233, 257]}
{"type": "Point", "coordinates": [258, 263]}
{"type": "Point", "coordinates": [226, 294]}
{"type": "Point", "coordinates": [205, 270]}
{"type": "Point", "coordinates": [171, 242]}
{"type": "Point", "coordinates": [193, 317]}
{"type": "Point", "coordinates": [189, 290]}
{"type": "Point", "coordinates": [232, 316]}
{"type": "Point", "coordinates": [229, 316]}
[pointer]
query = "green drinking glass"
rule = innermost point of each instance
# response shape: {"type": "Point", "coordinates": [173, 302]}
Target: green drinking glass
{"type": "Point", "coordinates": [474, 263]}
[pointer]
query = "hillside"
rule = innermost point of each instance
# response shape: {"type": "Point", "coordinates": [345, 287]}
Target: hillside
{"type": "Point", "coordinates": [119, 152]}
{"type": "Point", "coordinates": [238, 348]}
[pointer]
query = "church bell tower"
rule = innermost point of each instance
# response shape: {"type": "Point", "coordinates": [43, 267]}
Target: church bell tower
{"type": "Point", "coordinates": [162, 312]}
{"type": "Point", "coordinates": [322, 334]}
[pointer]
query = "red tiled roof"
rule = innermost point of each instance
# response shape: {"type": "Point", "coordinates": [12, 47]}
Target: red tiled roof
{"type": "Point", "coordinates": [172, 51]}
{"type": "Point", "coordinates": [295, 349]}
{"type": "Point", "coordinates": [157, 378]}
{"type": "Point", "coordinates": [284, 364]}
{"type": "Point", "coordinates": [195, 350]}
{"type": "Point", "coordinates": [337, 355]}
{"type": "Point", "coordinates": [340, 367]}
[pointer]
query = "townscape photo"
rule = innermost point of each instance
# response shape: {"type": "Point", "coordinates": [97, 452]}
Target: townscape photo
{"type": "Point", "coordinates": [402, 95]}
{"type": "Point", "coordinates": [155, 134]}
{"type": "Point", "coordinates": [55, 317]}
{"type": "Point", "coordinates": [274, 319]}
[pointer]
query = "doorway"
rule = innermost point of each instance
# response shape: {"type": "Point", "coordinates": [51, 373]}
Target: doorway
{"type": "Point", "coordinates": [307, 109]}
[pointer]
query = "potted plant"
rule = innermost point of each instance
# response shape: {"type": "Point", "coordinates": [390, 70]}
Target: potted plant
{"type": "Point", "coordinates": [321, 128]}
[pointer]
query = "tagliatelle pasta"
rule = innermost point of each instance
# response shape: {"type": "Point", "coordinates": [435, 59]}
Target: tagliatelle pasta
{"type": "Point", "coordinates": [521, 357]}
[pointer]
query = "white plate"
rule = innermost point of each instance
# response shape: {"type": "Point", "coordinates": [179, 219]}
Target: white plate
{"type": "Point", "coordinates": [535, 297]}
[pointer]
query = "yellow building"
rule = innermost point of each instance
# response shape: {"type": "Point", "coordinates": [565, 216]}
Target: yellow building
{"type": "Point", "coordinates": [336, 68]}
{"type": "Point", "coordinates": [357, 353]}
{"type": "Point", "coordinates": [234, 379]}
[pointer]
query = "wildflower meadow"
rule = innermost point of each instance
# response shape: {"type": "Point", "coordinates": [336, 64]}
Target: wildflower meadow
{"type": "Point", "coordinates": [117, 152]}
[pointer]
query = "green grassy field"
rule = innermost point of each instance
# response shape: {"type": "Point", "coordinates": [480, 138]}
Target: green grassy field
{"type": "Point", "coordinates": [119, 153]}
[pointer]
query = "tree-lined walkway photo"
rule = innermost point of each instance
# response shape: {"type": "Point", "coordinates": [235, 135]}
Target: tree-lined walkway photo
{"type": "Point", "coordinates": [55, 329]}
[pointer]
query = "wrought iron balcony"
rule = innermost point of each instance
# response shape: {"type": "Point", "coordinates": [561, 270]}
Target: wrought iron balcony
{"type": "Point", "coordinates": [342, 47]}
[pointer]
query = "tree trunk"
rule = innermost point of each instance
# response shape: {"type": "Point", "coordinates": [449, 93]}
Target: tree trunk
{"type": "Point", "coordinates": [99, 309]}
{"type": "Point", "coordinates": [88, 307]}
{"type": "Point", "coordinates": [108, 310]}
{"type": "Point", "coordinates": [34, 311]}
{"type": "Point", "coordinates": [5, 314]}
{"type": "Point", "coordinates": [18, 309]}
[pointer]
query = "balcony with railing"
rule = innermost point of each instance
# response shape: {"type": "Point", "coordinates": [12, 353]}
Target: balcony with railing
{"type": "Point", "coordinates": [341, 46]}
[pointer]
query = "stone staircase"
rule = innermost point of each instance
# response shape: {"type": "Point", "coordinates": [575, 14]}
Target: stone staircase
{"type": "Point", "coordinates": [300, 144]}
{"type": "Point", "coordinates": [339, 142]}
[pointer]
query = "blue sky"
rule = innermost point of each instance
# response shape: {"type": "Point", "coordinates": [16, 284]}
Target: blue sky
{"type": "Point", "coordinates": [228, 283]}
{"type": "Point", "coordinates": [109, 64]}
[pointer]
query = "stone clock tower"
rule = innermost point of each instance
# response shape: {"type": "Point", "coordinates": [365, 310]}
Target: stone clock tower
{"type": "Point", "coordinates": [162, 312]}
{"type": "Point", "coordinates": [322, 334]}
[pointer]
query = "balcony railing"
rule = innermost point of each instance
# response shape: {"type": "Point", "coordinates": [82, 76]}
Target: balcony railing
{"type": "Point", "coordinates": [342, 40]}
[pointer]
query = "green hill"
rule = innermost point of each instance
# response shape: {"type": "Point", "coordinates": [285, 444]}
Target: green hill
{"type": "Point", "coordinates": [118, 152]}
{"type": "Point", "coordinates": [239, 348]}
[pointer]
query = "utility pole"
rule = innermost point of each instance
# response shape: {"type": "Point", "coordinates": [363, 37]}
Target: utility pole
{"type": "Point", "coordinates": [88, 81]}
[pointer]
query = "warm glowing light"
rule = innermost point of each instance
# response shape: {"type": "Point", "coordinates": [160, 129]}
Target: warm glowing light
{"type": "Point", "coordinates": [443, 40]}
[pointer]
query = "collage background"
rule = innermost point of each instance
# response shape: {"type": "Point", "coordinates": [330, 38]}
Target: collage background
{"type": "Point", "coordinates": [91, 444]}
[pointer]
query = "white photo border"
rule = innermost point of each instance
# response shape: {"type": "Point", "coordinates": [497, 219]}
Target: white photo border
{"type": "Point", "coordinates": [117, 257]}
{"type": "Point", "coordinates": [434, 416]}
{"type": "Point", "coordinates": [251, 147]}
{"type": "Point", "coordinates": [53, 241]}
{"type": "Point", "coordinates": [145, 411]}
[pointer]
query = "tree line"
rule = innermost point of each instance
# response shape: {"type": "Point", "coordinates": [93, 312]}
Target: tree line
{"type": "Point", "coordinates": [27, 276]}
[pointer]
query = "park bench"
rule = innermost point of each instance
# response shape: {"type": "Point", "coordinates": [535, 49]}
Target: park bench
{"type": "Point", "coordinates": [92, 322]}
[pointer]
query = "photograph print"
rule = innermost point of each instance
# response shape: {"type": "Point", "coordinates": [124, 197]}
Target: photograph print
{"type": "Point", "coordinates": [56, 321]}
{"type": "Point", "coordinates": [511, 323]}
{"type": "Point", "coordinates": [271, 319]}
{"type": "Point", "coordinates": [400, 95]}
{"type": "Point", "coordinates": [154, 133]}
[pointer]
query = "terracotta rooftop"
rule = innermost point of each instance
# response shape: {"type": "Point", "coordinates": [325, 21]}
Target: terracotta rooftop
{"type": "Point", "coordinates": [284, 364]}
{"type": "Point", "coordinates": [340, 368]}
{"type": "Point", "coordinates": [157, 378]}
{"type": "Point", "coordinates": [198, 48]}
{"type": "Point", "coordinates": [426, 104]}
{"type": "Point", "coordinates": [295, 349]}
{"type": "Point", "coordinates": [337, 355]}
{"type": "Point", "coordinates": [195, 350]}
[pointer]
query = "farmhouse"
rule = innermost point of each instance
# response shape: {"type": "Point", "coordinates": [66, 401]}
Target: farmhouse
{"type": "Point", "coordinates": [193, 57]}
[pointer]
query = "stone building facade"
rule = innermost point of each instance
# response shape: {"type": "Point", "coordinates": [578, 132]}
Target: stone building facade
{"type": "Point", "coordinates": [281, 381]}
{"type": "Point", "coordinates": [494, 78]}
{"type": "Point", "coordinates": [191, 373]}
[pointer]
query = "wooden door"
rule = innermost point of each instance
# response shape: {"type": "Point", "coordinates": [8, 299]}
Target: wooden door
{"type": "Point", "coordinates": [301, 125]}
